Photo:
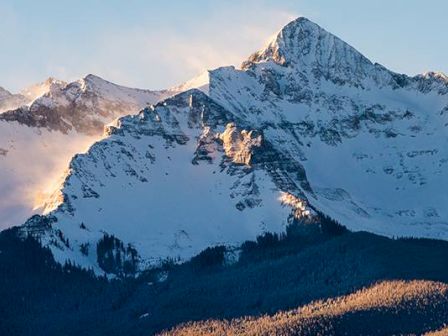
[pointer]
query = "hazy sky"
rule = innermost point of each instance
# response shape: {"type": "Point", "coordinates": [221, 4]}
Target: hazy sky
{"type": "Point", "coordinates": [159, 43]}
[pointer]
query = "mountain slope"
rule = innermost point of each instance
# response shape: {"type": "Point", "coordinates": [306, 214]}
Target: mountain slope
{"type": "Point", "coordinates": [184, 164]}
{"type": "Point", "coordinates": [270, 276]}
{"type": "Point", "coordinates": [392, 307]}
{"type": "Point", "coordinates": [371, 141]}
{"type": "Point", "coordinates": [306, 124]}
{"type": "Point", "coordinates": [38, 140]}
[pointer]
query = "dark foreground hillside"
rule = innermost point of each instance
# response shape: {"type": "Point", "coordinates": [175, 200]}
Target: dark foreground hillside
{"type": "Point", "coordinates": [39, 297]}
{"type": "Point", "coordinates": [391, 307]}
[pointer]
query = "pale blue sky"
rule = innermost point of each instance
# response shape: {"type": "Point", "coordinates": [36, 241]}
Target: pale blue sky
{"type": "Point", "coordinates": [159, 43]}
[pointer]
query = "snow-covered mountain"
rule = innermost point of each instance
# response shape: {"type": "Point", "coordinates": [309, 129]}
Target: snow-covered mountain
{"type": "Point", "coordinates": [306, 124]}
{"type": "Point", "coordinates": [372, 142]}
{"type": "Point", "coordinates": [84, 106]}
{"type": "Point", "coordinates": [37, 90]}
{"type": "Point", "coordinates": [10, 101]}
{"type": "Point", "coordinates": [171, 181]}
{"type": "Point", "coordinates": [51, 122]}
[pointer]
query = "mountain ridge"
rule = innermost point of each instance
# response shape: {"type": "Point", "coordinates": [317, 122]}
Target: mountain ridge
{"type": "Point", "coordinates": [85, 105]}
{"type": "Point", "coordinates": [310, 119]}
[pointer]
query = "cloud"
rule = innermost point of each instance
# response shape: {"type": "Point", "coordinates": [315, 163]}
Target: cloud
{"type": "Point", "coordinates": [147, 55]}
{"type": "Point", "coordinates": [32, 168]}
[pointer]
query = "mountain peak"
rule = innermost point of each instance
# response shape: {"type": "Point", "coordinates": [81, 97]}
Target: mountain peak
{"type": "Point", "coordinates": [300, 41]}
{"type": "Point", "coordinates": [4, 93]}
{"type": "Point", "coordinates": [435, 75]}
{"type": "Point", "coordinates": [307, 48]}
{"type": "Point", "coordinates": [93, 80]}
{"type": "Point", "coordinates": [92, 77]}
{"type": "Point", "coordinates": [301, 21]}
{"type": "Point", "coordinates": [51, 80]}
{"type": "Point", "coordinates": [290, 44]}
{"type": "Point", "coordinates": [96, 83]}
{"type": "Point", "coordinates": [37, 90]}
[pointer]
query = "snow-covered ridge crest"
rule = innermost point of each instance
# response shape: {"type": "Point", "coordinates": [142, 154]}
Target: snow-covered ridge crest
{"type": "Point", "coordinates": [37, 90]}
{"type": "Point", "coordinates": [200, 82]}
{"type": "Point", "coordinates": [85, 105]}
{"type": "Point", "coordinates": [310, 49]}
{"type": "Point", "coordinates": [9, 101]}
{"type": "Point", "coordinates": [317, 54]}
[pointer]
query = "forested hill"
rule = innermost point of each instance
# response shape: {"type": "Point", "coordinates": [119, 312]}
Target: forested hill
{"type": "Point", "coordinates": [274, 273]}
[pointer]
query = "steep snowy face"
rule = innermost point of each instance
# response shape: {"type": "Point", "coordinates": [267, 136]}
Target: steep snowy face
{"type": "Point", "coordinates": [170, 182]}
{"type": "Point", "coordinates": [84, 106]}
{"type": "Point", "coordinates": [372, 142]}
{"type": "Point", "coordinates": [55, 121]}
{"type": "Point", "coordinates": [308, 55]}
{"type": "Point", "coordinates": [313, 52]}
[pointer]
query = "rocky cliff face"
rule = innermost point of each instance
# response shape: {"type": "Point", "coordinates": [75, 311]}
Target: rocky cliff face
{"type": "Point", "coordinates": [306, 123]}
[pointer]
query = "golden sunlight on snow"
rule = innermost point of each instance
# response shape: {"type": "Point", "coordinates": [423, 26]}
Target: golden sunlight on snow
{"type": "Point", "coordinates": [33, 168]}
